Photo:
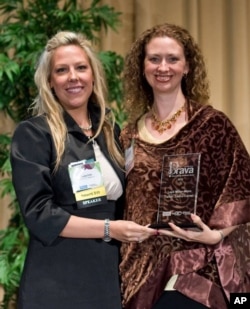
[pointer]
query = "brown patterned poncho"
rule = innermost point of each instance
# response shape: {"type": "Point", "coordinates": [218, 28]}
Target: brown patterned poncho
{"type": "Point", "coordinates": [205, 273]}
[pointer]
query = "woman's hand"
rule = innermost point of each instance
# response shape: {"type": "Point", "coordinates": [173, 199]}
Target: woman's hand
{"type": "Point", "coordinates": [129, 231]}
{"type": "Point", "coordinates": [205, 236]}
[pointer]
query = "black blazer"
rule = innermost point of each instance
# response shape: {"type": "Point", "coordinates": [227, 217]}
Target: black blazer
{"type": "Point", "coordinates": [46, 198]}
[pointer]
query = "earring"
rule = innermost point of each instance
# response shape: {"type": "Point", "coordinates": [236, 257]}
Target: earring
{"type": "Point", "coordinates": [185, 75]}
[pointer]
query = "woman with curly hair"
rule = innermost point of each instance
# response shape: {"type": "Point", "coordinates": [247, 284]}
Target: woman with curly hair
{"type": "Point", "coordinates": [170, 125]}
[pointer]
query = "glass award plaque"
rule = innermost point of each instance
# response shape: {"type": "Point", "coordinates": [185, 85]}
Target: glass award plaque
{"type": "Point", "coordinates": [178, 191]}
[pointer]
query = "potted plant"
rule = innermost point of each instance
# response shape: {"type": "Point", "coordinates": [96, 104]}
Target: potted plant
{"type": "Point", "coordinates": [26, 27]}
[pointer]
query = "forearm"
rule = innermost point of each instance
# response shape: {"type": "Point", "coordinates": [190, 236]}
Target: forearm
{"type": "Point", "coordinates": [122, 230]}
{"type": "Point", "coordinates": [226, 231]}
{"type": "Point", "coordinates": [78, 227]}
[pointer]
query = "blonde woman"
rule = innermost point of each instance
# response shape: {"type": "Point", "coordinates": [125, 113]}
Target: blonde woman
{"type": "Point", "coordinates": [69, 180]}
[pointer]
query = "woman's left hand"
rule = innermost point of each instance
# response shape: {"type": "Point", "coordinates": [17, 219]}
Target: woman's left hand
{"type": "Point", "coordinates": [205, 236]}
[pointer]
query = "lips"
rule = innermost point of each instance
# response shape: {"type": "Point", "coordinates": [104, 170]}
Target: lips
{"type": "Point", "coordinates": [74, 89]}
{"type": "Point", "coordinates": [163, 78]}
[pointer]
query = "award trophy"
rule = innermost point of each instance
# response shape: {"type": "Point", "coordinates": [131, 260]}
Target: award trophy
{"type": "Point", "coordinates": [178, 191]}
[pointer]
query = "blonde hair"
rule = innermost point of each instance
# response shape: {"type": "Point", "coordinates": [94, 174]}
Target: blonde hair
{"type": "Point", "coordinates": [46, 103]}
{"type": "Point", "coordinates": [138, 93]}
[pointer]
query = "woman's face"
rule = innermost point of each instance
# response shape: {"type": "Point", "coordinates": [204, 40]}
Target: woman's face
{"type": "Point", "coordinates": [71, 76]}
{"type": "Point", "coordinates": [164, 65]}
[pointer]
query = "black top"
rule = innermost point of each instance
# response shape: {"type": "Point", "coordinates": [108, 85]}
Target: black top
{"type": "Point", "coordinates": [63, 273]}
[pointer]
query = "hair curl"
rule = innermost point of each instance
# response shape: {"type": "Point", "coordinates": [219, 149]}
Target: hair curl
{"type": "Point", "coordinates": [138, 93]}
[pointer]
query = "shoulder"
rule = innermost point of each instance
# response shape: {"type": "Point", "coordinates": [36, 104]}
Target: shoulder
{"type": "Point", "coordinates": [214, 125]}
{"type": "Point", "coordinates": [208, 112]}
{"type": "Point", "coordinates": [34, 123]}
{"type": "Point", "coordinates": [33, 129]}
{"type": "Point", "coordinates": [32, 141]}
{"type": "Point", "coordinates": [218, 117]}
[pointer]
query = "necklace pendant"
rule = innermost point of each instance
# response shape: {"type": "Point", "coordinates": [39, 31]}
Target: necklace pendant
{"type": "Point", "coordinates": [168, 126]}
{"type": "Point", "coordinates": [157, 127]}
{"type": "Point", "coordinates": [161, 130]}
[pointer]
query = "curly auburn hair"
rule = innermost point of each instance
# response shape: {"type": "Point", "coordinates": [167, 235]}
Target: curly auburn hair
{"type": "Point", "coordinates": [138, 93]}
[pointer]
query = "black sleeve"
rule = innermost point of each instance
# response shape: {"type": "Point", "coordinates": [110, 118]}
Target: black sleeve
{"type": "Point", "coordinates": [31, 161]}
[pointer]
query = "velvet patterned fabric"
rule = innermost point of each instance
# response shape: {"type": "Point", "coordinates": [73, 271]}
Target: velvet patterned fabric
{"type": "Point", "coordinates": [206, 274]}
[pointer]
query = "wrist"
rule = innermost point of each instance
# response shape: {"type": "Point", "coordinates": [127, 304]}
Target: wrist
{"type": "Point", "coordinates": [106, 236]}
{"type": "Point", "coordinates": [222, 236]}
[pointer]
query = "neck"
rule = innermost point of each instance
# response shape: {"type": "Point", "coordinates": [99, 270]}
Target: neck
{"type": "Point", "coordinates": [80, 115]}
{"type": "Point", "coordinates": [167, 104]}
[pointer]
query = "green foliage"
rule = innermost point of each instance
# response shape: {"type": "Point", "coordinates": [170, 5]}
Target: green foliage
{"type": "Point", "coordinates": [13, 240]}
{"type": "Point", "coordinates": [113, 65]}
{"type": "Point", "coordinates": [25, 29]}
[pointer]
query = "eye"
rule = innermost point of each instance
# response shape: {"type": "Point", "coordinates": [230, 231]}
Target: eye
{"type": "Point", "coordinates": [82, 67]}
{"type": "Point", "coordinates": [60, 70]}
{"type": "Point", "coordinates": [173, 59]}
{"type": "Point", "coordinates": [154, 59]}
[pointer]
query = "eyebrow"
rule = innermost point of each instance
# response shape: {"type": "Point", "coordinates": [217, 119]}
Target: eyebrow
{"type": "Point", "coordinates": [168, 54]}
{"type": "Point", "coordinates": [77, 63]}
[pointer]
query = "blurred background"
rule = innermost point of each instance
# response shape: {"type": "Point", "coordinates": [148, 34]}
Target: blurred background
{"type": "Point", "coordinates": [221, 28]}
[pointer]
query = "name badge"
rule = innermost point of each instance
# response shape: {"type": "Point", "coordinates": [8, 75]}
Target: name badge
{"type": "Point", "coordinates": [87, 183]}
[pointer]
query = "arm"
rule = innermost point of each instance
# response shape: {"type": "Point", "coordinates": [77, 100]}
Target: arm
{"type": "Point", "coordinates": [125, 231]}
{"type": "Point", "coordinates": [206, 235]}
{"type": "Point", "coordinates": [31, 157]}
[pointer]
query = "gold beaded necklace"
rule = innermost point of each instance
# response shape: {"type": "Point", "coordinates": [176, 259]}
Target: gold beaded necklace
{"type": "Point", "coordinates": [163, 125]}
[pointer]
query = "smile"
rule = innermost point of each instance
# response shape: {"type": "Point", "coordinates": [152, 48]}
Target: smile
{"type": "Point", "coordinates": [74, 89]}
{"type": "Point", "coordinates": [163, 78]}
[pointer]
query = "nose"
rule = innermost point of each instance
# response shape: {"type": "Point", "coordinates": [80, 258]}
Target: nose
{"type": "Point", "coordinates": [163, 65]}
{"type": "Point", "coordinates": [73, 75]}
